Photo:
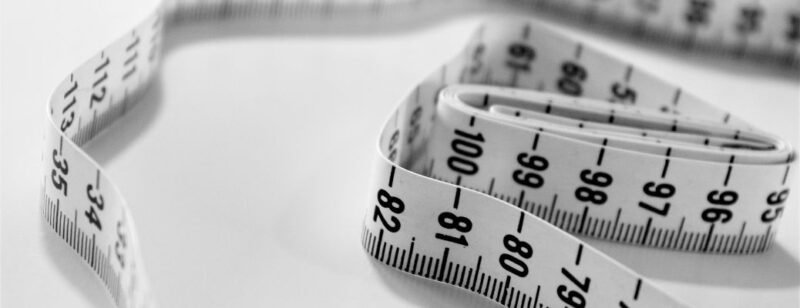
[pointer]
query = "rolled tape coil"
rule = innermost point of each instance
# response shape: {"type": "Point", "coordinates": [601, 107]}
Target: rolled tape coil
{"type": "Point", "coordinates": [490, 163]}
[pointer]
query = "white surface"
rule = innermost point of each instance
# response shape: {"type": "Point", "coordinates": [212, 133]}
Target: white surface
{"type": "Point", "coordinates": [262, 124]}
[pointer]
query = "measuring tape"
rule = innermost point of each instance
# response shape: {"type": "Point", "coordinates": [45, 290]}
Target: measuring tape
{"type": "Point", "coordinates": [490, 163]}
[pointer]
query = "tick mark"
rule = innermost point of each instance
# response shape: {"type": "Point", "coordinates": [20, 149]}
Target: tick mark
{"type": "Point", "coordinates": [628, 73]}
{"type": "Point", "coordinates": [391, 177]}
{"type": "Point", "coordinates": [602, 152]}
{"type": "Point", "coordinates": [785, 175]}
{"type": "Point", "coordinates": [526, 31]}
{"type": "Point", "coordinates": [666, 163]}
{"type": "Point", "coordinates": [730, 168]}
{"type": "Point", "coordinates": [458, 197]}
{"type": "Point", "coordinates": [708, 238]}
{"type": "Point", "coordinates": [677, 97]}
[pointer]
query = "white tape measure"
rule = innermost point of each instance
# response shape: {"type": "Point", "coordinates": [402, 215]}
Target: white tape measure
{"type": "Point", "coordinates": [487, 162]}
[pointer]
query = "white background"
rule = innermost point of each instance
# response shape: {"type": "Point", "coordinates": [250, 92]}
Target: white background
{"type": "Point", "coordinates": [246, 166]}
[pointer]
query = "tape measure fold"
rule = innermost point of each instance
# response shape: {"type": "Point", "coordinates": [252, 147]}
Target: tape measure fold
{"type": "Point", "coordinates": [490, 162]}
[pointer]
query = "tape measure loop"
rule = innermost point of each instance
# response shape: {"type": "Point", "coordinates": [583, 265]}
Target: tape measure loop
{"type": "Point", "coordinates": [480, 185]}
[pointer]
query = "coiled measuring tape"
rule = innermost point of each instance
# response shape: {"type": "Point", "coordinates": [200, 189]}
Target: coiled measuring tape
{"type": "Point", "coordinates": [489, 163]}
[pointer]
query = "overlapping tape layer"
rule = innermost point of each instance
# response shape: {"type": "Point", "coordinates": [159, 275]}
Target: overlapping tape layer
{"type": "Point", "coordinates": [482, 168]}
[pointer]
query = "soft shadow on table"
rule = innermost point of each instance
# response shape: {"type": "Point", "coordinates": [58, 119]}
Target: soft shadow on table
{"type": "Point", "coordinates": [141, 115]}
{"type": "Point", "coordinates": [131, 126]}
{"type": "Point", "coordinates": [776, 268]}
{"type": "Point", "coordinates": [422, 292]}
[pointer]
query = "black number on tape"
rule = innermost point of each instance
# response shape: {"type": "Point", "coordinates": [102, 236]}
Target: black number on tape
{"type": "Point", "coordinates": [698, 12]}
{"type": "Point", "coordinates": [529, 177]}
{"type": "Point", "coordinates": [59, 172]}
{"type": "Point", "coordinates": [718, 214]}
{"type": "Point", "coordinates": [97, 204]}
{"type": "Point", "coordinates": [121, 243]}
{"type": "Point", "coordinates": [750, 18]}
{"type": "Point", "coordinates": [622, 93]}
{"type": "Point", "coordinates": [414, 125]}
{"type": "Point", "coordinates": [98, 85]}
{"type": "Point", "coordinates": [573, 298]}
{"type": "Point", "coordinates": [452, 221]}
{"type": "Point", "coordinates": [70, 97]}
{"type": "Point", "coordinates": [571, 82]}
{"type": "Point", "coordinates": [477, 63]}
{"type": "Point", "coordinates": [517, 247]}
{"type": "Point", "coordinates": [793, 31]}
{"type": "Point", "coordinates": [466, 149]}
{"type": "Point", "coordinates": [520, 57]}
{"type": "Point", "coordinates": [598, 179]}
{"type": "Point", "coordinates": [94, 197]}
{"type": "Point", "coordinates": [662, 191]}
{"type": "Point", "coordinates": [393, 145]}
{"type": "Point", "coordinates": [394, 204]}
{"type": "Point", "coordinates": [775, 200]}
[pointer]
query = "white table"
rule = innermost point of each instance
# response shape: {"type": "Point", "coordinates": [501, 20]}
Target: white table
{"type": "Point", "coordinates": [217, 203]}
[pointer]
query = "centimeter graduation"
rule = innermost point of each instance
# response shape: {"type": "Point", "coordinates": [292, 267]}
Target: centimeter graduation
{"type": "Point", "coordinates": [491, 164]}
